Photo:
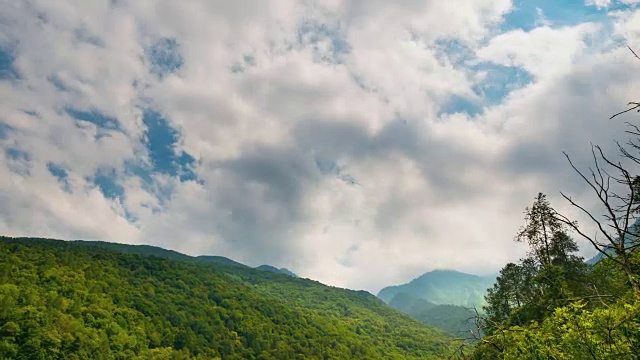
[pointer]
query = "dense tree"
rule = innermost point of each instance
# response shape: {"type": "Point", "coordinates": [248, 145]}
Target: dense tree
{"type": "Point", "coordinates": [540, 230]}
{"type": "Point", "coordinates": [605, 325]}
{"type": "Point", "coordinates": [513, 289]}
{"type": "Point", "coordinates": [544, 280]}
{"type": "Point", "coordinates": [66, 300]}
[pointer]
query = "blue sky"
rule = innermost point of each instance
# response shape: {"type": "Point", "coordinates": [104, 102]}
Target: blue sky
{"type": "Point", "coordinates": [525, 16]}
{"type": "Point", "coordinates": [531, 14]}
{"type": "Point", "coordinates": [325, 137]}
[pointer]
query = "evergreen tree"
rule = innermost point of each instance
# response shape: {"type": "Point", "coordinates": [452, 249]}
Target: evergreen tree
{"type": "Point", "coordinates": [543, 280]}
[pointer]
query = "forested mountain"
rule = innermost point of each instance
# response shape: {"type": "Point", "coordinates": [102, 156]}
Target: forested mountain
{"type": "Point", "coordinates": [174, 255]}
{"type": "Point", "coordinates": [454, 319]}
{"type": "Point", "coordinates": [441, 299]}
{"type": "Point", "coordinates": [158, 251]}
{"type": "Point", "coordinates": [73, 300]}
{"type": "Point", "coordinates": [443, 287]}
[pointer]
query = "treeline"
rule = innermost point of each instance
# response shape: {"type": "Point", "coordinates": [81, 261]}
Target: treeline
{"type": "Point", "coordinates": [65, 300]}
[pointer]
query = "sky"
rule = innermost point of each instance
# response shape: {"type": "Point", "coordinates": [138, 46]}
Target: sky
{"type": "Point", "coordinates": [358, 143]}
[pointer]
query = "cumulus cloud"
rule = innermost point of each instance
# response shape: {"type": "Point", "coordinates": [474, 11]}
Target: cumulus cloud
{"type": "Point", "coordinates": [357, 143]}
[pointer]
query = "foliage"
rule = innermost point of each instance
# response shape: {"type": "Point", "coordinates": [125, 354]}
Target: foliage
{"type": "Point", "coordinates": [551, 305]}
{"type": "Point", "coordinates": [66, 300]}
{"type": "Point", "coordinates": [544, 280]}
{"type": "Point", "coordinates": [571, 332]}
{"type": "Point", "coordinates": [543, 232]}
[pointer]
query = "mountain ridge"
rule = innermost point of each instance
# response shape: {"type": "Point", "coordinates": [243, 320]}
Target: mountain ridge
{"type": "Point", "coordinates": [145, 249]}
{"type": "Point", "coordinates": [443, 287]}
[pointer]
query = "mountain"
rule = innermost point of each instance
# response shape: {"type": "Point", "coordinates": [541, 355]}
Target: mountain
{"type": "Point", "coordinates": [444, 287]}
{"type": "Point", "coordinates": [276, 270]}
{"type": "Point", "coordinates": [62, 300]}
{"type": "Point", "coordinates": [595, 259]}
{"type": "Point", "coordinates": [441, 299]}
{"type": "Point", "coordinates": [174, 255]}
{"type": "Point", "coordinates": [454, 319]}
{"type": "Point", "coordinates": [633, 229]}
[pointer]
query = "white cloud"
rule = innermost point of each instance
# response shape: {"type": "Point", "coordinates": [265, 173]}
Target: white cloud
{"type": "Point", "coordinates": [598, 3]}
{"type": "Point", "coordinates": [325, 150]}
{"type": "Point", "coordinates": [607, 3]}
{"type": "Point", "coordinates": [544, 52]}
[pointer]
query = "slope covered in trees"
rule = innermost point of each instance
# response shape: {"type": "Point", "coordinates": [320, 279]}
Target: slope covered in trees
{"type": "Point", "coordinates": [67, 300]}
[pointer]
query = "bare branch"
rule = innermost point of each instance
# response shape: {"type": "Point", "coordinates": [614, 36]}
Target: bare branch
{"type": "Point", "coordinates": [633, 52]}
{"type": "Point", "coordinates": [635, 127]}
{"type": "Point", "coordinates": [574, 226]}
{"type": "Point", "coordinates": [637, 106]}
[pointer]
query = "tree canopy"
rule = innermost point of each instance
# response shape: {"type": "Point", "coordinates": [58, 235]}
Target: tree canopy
{"type": "Point", "coordinates": [67, 300]}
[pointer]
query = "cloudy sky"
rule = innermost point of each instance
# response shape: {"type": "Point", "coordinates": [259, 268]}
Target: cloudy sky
{"type": "Point", "coordinates": [359, 143]}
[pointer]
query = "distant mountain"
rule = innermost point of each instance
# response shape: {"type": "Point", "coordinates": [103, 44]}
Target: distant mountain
{"type": "Point", "coordinates": [443, 287]}
{"type": "Point", "coordinates": [634, 229]}
{"type": "Point", "coordinates": [595, 259]}
{"type": "Point", "coordinates": [93, 300]}
{"type": "Point", "coordinates": [276, 270]}
{"type": "Point", "coordinates": [454, 319]}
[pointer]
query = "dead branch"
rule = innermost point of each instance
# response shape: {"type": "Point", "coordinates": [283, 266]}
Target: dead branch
{"type": "Point", "coordinates": [633, 52]}
{"type": "Point", "coordinates": [636, 106]}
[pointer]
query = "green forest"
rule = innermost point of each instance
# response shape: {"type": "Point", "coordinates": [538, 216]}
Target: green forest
{"type": "Point", "coordinates": [453, 319]}
{"type": "Point", "coordinates": [83, 300]}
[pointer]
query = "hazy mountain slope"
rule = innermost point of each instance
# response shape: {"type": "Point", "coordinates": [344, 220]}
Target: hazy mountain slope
{"type": "Point", "coordinates": [443, 287]}
{"type": "Point", "coordinates": [70, 300]}
{"type": "Point", "coordinates": [630, 239]}
{"type": "Point", "coordinates": [453, 319]}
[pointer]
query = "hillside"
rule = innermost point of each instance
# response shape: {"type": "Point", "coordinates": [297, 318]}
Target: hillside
{"type": "Point", "coordinates": [64, 300]}
{"type": "Point", "coordinates": [443, 287]}
{"type": "Point", "coordinates": [454, 319]}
